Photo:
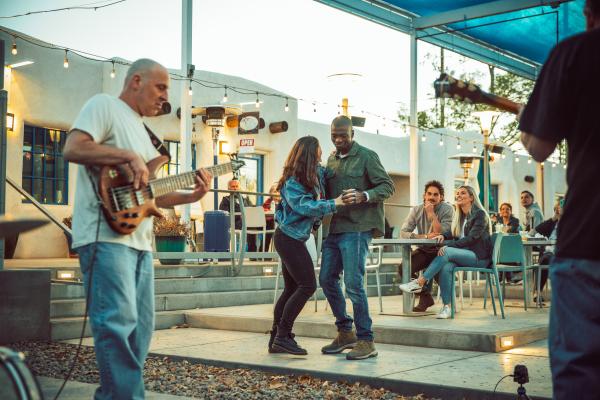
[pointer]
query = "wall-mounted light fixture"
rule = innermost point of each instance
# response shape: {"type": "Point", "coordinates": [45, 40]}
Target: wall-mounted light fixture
{"type": "Point", "coordinates": [10, 121]}
{"type": "Point", "coordinates": [224, 148]}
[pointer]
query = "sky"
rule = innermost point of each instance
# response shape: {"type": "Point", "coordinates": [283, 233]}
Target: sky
{"type": "Point", "coordinates": [289, 45]}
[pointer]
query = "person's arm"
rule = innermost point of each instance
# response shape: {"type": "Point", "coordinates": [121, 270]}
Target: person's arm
{"type": "Point", "coordinates": [475, 233]}
{"type": "Point", "coordinates": [303, 202]}
{"type": "Point", "coordinates": [545, 228]}
{"type": "Point", "coordinates": [382, 185]}
{"type": "Point", "coordinates": [445, 218]}
{"type": "Point", "coordinates": [539, 149]}
{"type": "Point", "coordinates": [407, 231]}
{"type": "Point", "coordinates": [225, 203]}
{"type": "Point", "coordinates": [175, 198]}
{"type": "Point", "coordinates": [514, 226]}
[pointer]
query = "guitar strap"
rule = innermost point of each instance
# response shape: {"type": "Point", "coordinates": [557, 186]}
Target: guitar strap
{"type": "Point", "coordinates": [157, 143]}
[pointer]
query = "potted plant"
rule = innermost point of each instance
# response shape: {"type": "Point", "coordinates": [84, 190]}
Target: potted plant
{"type": "Point", "coordinates": [170, 236]}
{"type": "Point", "coordinates": [68, 221]}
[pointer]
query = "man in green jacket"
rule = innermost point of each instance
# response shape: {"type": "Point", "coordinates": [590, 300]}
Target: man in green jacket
{"type": "Point", "coordinates": [357, 172]}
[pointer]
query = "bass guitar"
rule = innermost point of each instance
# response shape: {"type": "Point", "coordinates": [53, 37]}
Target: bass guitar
{"type": "Point", "coordinates": [125, 207]}
{"type": "Point", "coordinates": [449, 87]}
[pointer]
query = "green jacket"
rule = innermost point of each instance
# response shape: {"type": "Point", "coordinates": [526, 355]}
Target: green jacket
{"type": "Point", "coordinates": [362, 170]}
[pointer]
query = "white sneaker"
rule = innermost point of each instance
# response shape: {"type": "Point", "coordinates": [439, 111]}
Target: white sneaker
{"type": "Point", "coordinates": [444, 313]}
{"type": "Point", "coordinates": [411, 287]}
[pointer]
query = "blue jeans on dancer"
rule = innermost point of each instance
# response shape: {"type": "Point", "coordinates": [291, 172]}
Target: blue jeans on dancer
{"type": "Point", "coordinates": [347, 253]}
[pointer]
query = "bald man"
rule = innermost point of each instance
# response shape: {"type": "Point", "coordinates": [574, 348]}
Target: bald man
{"type": "Point", "coordinates": [110, 131]}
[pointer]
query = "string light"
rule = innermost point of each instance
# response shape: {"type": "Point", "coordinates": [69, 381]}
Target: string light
{"type": "Point", "coordinates": [287, 106]}
{"type": "Point", "coordinates": [314, 107]}
{"type": "Point", "coordinates": [564, 166]}
{"type": "Point", "coordinates": [66, 61]}
{"type": "Point", "coordinates": [225, 98]}
{"type": "Point", "coordinates": [474, 149]}
{"type": "Point", "coordinates": [458, 146]}
{"type": "Point", "coordinates": [529, 160]}
{"type": "Point", "coordinates": [257, 101]}
{"type": "Point", "coordinates": [14, 51]}
{"type": "Point", "coordinates": [503, 156]}
{"type": "Point", "coordinates": [553, 165]}
{"type": "Point", "coordinates": [441, 140]}
{"type": "Point", "coordinates": [423, 138]}
{"type": "Point", "coordinates": [190, 91]}
{"type": "Point", "coordinates": [517, 159]}
{"type": "Point", "coordinates": [113, 73]}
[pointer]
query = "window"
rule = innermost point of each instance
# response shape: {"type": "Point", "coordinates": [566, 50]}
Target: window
{"type": "Point", "coordinates": [251, 176]}
{"type": "Point", "coordinates": [45, 171]}
{"type": "Point", "coordinates": [174, 148]}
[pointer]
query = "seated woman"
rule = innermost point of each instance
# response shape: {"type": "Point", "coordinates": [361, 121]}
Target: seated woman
{"type": "Point", "coordinates": [506, 221]}
{"type": "Point", "coordinates": [468, 244]}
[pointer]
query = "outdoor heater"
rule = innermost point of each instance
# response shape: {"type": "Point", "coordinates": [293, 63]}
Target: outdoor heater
{"type": "Point", "coordinates": [466, 161]}
{"type": "Point", "coordinates": [486, 119]}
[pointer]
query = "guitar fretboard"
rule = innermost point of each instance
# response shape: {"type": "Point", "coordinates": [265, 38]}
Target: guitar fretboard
{"type": "Point", "coordinates": [170, 184]}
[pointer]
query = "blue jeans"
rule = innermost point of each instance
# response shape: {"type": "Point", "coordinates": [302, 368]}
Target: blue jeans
{"type": "Point", "coordinates": [575, 328]}
{"type": "Point", "coordinates": [444, 265]}
{"type": "Point", "coordinates": [121, 312]}
{"type": "Point", "coordinates": [347, 252]}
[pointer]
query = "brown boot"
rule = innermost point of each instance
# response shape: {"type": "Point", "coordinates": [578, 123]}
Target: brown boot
{"type": "Point", "coordinates": [343, 340]}
{"type": "Point", "coordinates": [425, 301]}
{"type": "Point", "coordinates": [363, 349]}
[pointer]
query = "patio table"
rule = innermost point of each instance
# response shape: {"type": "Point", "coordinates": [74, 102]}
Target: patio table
{"type": "Point", "coordinates": [405, 245]}
{"type": "Point", "coordinates": [528, 245]}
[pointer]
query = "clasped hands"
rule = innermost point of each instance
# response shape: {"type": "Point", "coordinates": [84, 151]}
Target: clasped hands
{"type": "Point", "coordinates": [351, 196]}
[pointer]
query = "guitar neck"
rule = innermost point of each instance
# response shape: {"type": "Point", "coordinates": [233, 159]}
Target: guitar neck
{"type": "Point", "coordinates": [502, 103]}
{"type": "Point", "coordinates": [184, 180]}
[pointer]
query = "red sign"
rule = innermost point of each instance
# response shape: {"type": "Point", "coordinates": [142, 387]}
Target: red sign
{"type": "Point", "coordinates": [246, 142]}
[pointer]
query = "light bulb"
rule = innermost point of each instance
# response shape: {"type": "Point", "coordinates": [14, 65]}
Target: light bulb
{"type": "Point", "coordinates": [441, 141]}
{"type": "Point", "coordinates": [190, 91]}
{"type": "Point", "coordinates": [14, 49]}
{"type": "Point", "coordinates": [553, 165]}
{"type": "Point", "coordinates": [113, 73]}
{"type": "Point", "coordinates": [423, 138]}
{"type": "Point", "coordinates": [458, 146]}
{"type": "Point", "coordinates": [225, 98]}
{"type": "Point", "coordinates": [517, 159]}
{"type": "Point", "coordinates": [529, 160]}
{"type": "Point", "coordinates": [564, 166]}
{"type": "Point", "coordinates": [257, 101]}
{"type": "Point", "coordinates": [287, 106]}
{"type": "Point", "coordinates": [66, 61]}
{"type": "Point", "coordinates": [474, 149]}
{"type": "Point", "coordinates": [503, 156]}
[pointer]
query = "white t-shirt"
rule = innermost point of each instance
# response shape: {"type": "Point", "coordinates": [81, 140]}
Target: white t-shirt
{"type": "Point", "coordinates": [111, 122]}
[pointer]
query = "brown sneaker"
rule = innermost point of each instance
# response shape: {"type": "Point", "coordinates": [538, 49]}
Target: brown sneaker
{"type": "Point", "coordinates": [363, 349]}
{"type": "Point", "coordinates": [425, 301]}
{"type": "Point", "coordinates": [343, 340]}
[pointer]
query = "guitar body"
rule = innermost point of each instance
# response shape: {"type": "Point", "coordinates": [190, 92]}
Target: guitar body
{"type": "Point", "coordinates": [125, 210]}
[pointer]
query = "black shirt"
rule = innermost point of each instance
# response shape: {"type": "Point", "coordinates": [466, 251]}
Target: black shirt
{"type": "Point", "coordinates": [565, 104]}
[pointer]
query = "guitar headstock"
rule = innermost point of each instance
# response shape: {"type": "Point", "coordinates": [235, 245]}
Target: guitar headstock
{"type": "Point", "coordinates": [449, 87]}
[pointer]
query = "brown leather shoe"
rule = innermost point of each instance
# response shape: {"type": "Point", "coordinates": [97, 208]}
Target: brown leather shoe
{"type": "Point", "coordinates": [425, 301]}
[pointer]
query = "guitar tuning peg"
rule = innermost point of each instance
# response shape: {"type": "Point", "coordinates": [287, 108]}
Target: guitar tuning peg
{"type": "Point", "coordinates": [460, 84]}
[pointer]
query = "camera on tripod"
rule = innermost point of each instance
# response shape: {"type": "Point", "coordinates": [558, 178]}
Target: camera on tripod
{"type": "Point", "coordinates": [521, 376]}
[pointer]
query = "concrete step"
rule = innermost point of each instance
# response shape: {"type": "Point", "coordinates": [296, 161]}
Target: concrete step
{"type": "Point", "coordinates": [68, 308]}
{"type": "Point", "coordinates": [201, 285]}
{"type": "Point", "coordinates": [70, 328]}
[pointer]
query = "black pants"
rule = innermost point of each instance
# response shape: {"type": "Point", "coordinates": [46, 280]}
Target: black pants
{"type": "Point", "coordinates": [545, 259]}
{"type": "Point", "coordinates": [299, 278]}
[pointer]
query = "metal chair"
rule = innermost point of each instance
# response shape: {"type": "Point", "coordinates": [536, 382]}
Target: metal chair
{"type": "Point", "coordinates": [511, 258]}
{"type": "Point", "coordinates": [256, 223]}
{"type": "Point", "coordinates": [374, 264]}
{"type": "Point", "coordinates": [489, 273]}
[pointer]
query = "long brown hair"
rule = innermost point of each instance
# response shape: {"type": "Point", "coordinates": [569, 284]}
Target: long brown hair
{"type": "Point", "coordinates": [301, 163]}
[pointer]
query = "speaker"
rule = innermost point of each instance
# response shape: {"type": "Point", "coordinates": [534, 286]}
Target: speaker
{"type": "Point", "coordinates": [358, 121]}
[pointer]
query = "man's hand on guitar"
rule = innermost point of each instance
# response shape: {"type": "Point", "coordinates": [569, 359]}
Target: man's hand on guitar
{"type": "Point", "coordinates": [139, 169]}
{"type": "Point", "coordinates": [203, 178]}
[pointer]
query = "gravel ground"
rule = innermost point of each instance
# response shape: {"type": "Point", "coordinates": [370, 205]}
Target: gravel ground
{"type": "Point", "coordinates": [183, 378]}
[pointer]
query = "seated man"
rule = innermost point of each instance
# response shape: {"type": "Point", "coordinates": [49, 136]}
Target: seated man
{"type": "Point", "coordinates": [430, 219]}
{"type": "Point", "coordinates": [548, 228]}
{"type": "Point", "coordinates": [234, 184]}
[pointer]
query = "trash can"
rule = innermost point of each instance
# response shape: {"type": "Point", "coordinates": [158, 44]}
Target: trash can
{"type": "Point", "coordinates": [216, 231]}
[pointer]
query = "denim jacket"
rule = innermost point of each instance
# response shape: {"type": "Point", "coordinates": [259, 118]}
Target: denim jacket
{"type": "Point", "coordinates": [299, 208]}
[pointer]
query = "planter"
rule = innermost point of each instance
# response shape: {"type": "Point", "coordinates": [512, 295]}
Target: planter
{"type": "Point", "coordinates": [170, 244]}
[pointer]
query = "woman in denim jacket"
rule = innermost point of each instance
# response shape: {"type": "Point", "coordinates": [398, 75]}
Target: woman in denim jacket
{"type": "Point", "coordinates": [299, 209]}
{"type": "Point", "coordinates": [468, 244]}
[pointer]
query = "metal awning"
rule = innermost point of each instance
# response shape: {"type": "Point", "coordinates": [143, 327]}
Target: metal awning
{"type": "Point", "coordinates": [516, 35]}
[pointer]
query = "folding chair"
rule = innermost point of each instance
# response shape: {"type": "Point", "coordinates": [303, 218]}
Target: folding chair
{"type": "Point", "coordinates": [374, 264]}
{"type": "Point", "coordinates": [256, 223]}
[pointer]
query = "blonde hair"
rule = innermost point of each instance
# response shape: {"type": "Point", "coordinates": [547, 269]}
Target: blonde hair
{"type": "Point", "coordinates": [459, 217]}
